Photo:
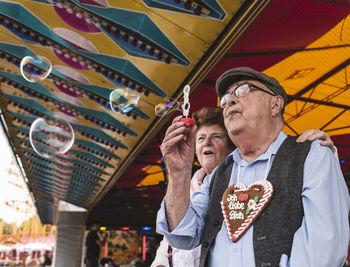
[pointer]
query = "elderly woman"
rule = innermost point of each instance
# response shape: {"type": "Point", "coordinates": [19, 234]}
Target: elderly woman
{"type": "Point", "coordinates": [213, 145]}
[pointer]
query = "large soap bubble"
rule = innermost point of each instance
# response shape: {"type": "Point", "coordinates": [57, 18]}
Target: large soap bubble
{"type": "Point", "coordinates": [51, 137]}
{"type": "Point", "coordinates": [35, 68]}
{"type": "Point", "coordinates": [123, 100]}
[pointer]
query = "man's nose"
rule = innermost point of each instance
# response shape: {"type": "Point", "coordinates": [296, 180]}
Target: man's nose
{"type": "Point", "coordinates": [232, 101]}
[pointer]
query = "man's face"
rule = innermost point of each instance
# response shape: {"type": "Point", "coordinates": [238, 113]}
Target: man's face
{"type": "Point", "coordinates": [249, 112]}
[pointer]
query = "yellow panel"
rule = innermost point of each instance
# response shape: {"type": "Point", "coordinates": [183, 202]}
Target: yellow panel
{"type": "Point", "coordinates": [317, 118]}
{"type": "Point", "coordinates": [155, 175]}
{"type": "Point", "coordinates": [314, 63]}
{"type": "Point", "coordinates": [304, 68]}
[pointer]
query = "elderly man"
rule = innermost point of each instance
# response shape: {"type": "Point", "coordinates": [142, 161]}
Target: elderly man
{"type": "Point", "coordinates": [298, 214]}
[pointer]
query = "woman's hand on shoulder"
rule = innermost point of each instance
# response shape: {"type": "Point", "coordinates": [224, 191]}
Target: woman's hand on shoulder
{"type": "Point", "coordinates": [312, 135]}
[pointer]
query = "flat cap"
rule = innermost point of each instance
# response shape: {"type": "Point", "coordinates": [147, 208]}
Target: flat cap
{"type": "Point", "coordinates": [231, 76]}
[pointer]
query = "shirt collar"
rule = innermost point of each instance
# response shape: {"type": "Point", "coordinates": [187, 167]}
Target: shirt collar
{"type": "Point", "coordinates": [273, 148]}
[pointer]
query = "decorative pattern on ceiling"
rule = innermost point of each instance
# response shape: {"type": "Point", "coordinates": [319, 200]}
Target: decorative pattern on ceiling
{"type": "Point", "coordinates": [205, 8]}
{"type": "Point", "coordinates": [96, 46]}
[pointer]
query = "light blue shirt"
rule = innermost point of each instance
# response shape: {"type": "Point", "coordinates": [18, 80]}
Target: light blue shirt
{"type": "Point", "coordinates": [322, 239]}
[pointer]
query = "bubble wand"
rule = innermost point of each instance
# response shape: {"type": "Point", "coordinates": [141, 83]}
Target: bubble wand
{"type": "Point", "coordinates": [189, 122]}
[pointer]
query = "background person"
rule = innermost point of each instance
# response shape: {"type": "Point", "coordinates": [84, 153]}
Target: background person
{"type": "Point", "coordinates": [47, 259]}
{"type": "Point", "coordinates": [93, 244]}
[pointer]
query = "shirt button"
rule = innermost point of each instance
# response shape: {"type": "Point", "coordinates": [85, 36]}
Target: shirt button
{"type": "Point", "coordinates": [205, 244]}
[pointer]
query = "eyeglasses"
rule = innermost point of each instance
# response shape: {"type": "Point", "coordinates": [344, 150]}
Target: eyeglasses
{"type": "Point", "coordinates": [241, 90]}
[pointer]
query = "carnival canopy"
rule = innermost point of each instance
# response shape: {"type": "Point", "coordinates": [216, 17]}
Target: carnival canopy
{"type": "Point", "coordinates": [62, 59]}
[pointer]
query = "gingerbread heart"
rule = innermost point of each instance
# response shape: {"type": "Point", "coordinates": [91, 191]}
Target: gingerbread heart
{"type": "Point", "coordinates": [241, 206]}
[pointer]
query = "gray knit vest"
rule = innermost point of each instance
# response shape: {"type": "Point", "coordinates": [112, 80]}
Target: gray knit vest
{"type": "Point", "coordinates": [274, 229]}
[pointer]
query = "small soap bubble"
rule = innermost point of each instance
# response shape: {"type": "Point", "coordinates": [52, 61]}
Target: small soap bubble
{"type": "Point", "coordinates": [123, 100]}
{"type": "Point", "coordinates": [166, 106]}
{"type": "Point", "coordinates": [51, 137]}
{"type": "Point", "coordinates": [35, 68]}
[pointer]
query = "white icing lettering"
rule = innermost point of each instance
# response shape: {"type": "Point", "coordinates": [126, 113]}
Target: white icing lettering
{"type": "Point", "coordinates": [234, 215]}
{"type": "Point", "coordinates": [236, 205]}
{"type": "Point", "coordinates": [232, 198]}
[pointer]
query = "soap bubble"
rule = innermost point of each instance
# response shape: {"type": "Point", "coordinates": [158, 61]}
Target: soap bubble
{"type": "Point", "coordinates": [50, 137]}
{"type": "Point", "coordinates": [166, 106]}
{"type": "Point", "coordinates": [35, 68]}
{"type": "Point", "coordinates": [122, 100]}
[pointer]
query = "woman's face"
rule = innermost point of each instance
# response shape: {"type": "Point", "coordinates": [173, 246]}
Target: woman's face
{"type": "Point", "coordinates": [211, 146]}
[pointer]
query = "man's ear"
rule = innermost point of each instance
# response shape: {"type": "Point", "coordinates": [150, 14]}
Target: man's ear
{"type": "Point", "coordinates": [277, 105]}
